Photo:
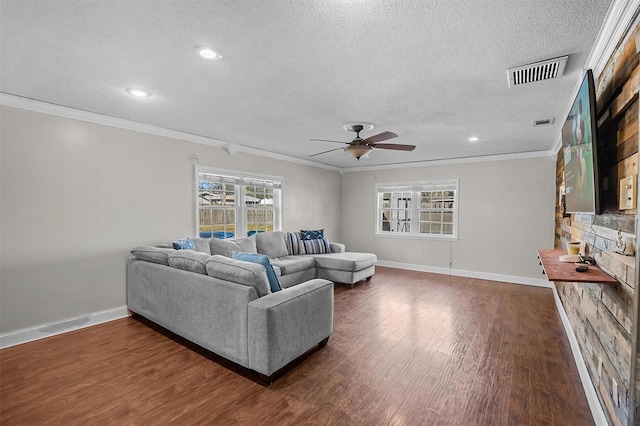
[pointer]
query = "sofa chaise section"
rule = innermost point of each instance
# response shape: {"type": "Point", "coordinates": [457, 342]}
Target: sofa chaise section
{"type": "Point", "coordinates": [295, 260]}
{"type": "Point", "coordinates": [345, 267]}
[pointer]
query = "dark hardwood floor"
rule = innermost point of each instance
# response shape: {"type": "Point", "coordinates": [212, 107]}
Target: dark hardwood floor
{"type": "Point", "coordinates": [409, 348]}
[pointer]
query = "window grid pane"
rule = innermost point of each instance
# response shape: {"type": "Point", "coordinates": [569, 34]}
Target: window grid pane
{"type": "Point", "coordinates": [436, 212]}
{"type": "Point", "coordinates": [433, 214]}
{"type": "Point", "coordinates": [216, 210]}
{"type": "Point", "coordinates": [217, 221]}
{"type": "Point", "coordinates": [230, 204]}
{"type": "Point", "coordinates": [260, 209]}
{"type": "Point", "coordinates": [396, 211]}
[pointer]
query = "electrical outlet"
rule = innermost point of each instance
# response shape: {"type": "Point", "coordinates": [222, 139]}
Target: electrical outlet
{"type": "Point", "coordinates": [614, 388]}
{"type": "Point", "coordinates": [628, 193]}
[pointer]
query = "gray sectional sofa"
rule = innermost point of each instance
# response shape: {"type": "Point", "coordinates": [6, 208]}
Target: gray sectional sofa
{"type": "Point", "coordinates": [227, 306]}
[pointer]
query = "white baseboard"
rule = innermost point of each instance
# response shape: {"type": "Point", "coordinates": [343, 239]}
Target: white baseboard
{"type": "Point", "coordinates": [592, 397]}
{"type": "Point", "coordinates": [58, 327]}
{"type": "Point", "coordinates": [515, 279]}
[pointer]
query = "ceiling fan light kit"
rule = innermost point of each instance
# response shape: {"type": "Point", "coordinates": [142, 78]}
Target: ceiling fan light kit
{"type": "Point", "coordinates": [357, 151]}
{"type": "Point", "coordinates": [359, 147]}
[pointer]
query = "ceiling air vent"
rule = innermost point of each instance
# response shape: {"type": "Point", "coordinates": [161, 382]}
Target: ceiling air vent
{"type": "Point", "coordinates": [544, 70]}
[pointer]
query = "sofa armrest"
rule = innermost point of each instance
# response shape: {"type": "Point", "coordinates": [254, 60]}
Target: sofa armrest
{"type": "Point", "coordinates": [286, 324]}
{"type": "Point", "coordinates": [337, 247]}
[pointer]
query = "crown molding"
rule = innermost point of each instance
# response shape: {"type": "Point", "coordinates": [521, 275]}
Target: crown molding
{"type": "Point", "coordinates": [620, 16]}
{"type": "Point", "coordinates": [92, 117]}
{"type": "Point", "coordinates": [450, 161]}
{"type": "Point", "coordinates": [233, 148]}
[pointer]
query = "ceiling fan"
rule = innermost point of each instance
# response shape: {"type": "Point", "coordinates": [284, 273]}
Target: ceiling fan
{"type": "Point", "coordinates": [359, 147]}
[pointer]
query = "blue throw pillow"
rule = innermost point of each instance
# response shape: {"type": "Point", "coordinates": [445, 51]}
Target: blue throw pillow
{"type": "Point", "coordinates": [263, 260]}
{"type": "Point", "coordinates": [315, 234]}
{"type": "Point", "coordinates": [184, 244]}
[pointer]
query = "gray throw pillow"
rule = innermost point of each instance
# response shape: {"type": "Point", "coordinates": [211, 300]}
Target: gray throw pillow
{"type": "Point", "coordinates": [152, 254]}
{"type": "Point", "coordinates": [227, 247]}
{"type": "Point", "coordinates": [189, 260]}
{"type": "Point", "coordinates": [240, 272]}
{"type": "Point", "coordinates": [271, 244]}
{"type": "Point", "coordinates": [202, 245]}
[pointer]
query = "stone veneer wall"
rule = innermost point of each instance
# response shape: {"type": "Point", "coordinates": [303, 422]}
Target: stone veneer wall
{"type": "Point", "coordinates": [602, 316]}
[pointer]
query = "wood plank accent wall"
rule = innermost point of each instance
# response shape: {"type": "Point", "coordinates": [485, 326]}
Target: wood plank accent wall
{"type": "Point", "coordinates": [601, 315]}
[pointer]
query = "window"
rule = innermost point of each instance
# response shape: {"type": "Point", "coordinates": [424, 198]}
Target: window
{"type": "Point", "coordinates": [418, 209]}
{"type": "Point", "coordinates": [231, 203]}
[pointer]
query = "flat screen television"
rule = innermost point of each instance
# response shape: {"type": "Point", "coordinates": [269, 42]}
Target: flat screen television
{"type": "Point", "coordinates": [580, 150]}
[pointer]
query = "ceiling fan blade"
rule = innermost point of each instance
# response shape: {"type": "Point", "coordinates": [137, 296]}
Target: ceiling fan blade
{"type": "Point", "coordinates": [394, 146]}
{"type": "Point", "coordinates": [324, 152]}
{"type": "Point", "coordinates": [380, 137]}
{"type": "Point", "coordinates": [326, 140]}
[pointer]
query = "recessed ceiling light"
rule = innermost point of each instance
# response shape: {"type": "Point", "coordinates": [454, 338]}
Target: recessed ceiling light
{"type": "Point", "coordinates": [208, 53]}
{"type": "Point", "coordinates": [473, 139]}
{"type": "Point", "coordinates": [138, 93]}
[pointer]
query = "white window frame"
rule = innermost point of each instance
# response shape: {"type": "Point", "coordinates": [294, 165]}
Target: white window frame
{"type": "Point", "coordinates": [411, 213]}
{"type": "Point", "coordinates": [241, 180]}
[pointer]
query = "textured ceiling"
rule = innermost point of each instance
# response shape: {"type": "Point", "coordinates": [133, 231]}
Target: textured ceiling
{"type": "Point", "coordinates": [434, 72]}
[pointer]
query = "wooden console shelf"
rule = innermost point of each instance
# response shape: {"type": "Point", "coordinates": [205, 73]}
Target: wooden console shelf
{"type": "Point", "coordinates": [566, 271]}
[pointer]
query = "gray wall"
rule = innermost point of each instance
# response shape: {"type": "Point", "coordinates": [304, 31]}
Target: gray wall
{"type": "Point", "coordinates": [506, 212]}
{"type": "Point", "coordinates": [76, 197]}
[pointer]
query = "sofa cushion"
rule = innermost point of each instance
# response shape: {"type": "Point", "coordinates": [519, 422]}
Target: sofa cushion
{"type": "Point", "coordinates": [315, 234]}
{"type": "Point", "coordinates": [292, 264]}
{"type": "Point", "coordinates": [189, 260]}
{"type": "Point", "coordinates": [153, 254]}
{"type": "Point", "coordinates": [263, 260]}
{"type": "Point", "coordinates": [293, 241]}
{"type": "Point", "coordinates": [201, 244]}
{"type": "Point", "coordinates": [317, 246]}
{"type": "Point", "coordinates": [184, 244]}
{"type": "Point", "coordinates": [271, 243]}
{"type": "Point", "coordinates": [240, 272]}
{"type": "Point", "coordinates": [349, 261]}
{"type": "Point", "coordinates": [228, 246]}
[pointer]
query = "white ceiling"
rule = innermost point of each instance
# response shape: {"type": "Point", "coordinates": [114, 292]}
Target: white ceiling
{"type": "Point", "coordinates": [434, 72]}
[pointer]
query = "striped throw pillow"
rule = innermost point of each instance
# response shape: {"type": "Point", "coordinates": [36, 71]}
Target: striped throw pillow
{"type": "Point", "coordinates": [317, 246]}
{"type": "Point", "coordinates": [294, 243]}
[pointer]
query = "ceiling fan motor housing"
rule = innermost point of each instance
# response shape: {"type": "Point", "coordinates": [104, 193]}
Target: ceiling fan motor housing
{"type": "Point", "coordinates": [357, 128]}
{"type": "Point", "coordinates": [359, 147]}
